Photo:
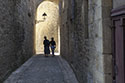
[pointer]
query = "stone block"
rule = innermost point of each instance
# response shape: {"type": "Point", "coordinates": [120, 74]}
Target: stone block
{"type": "Point", "coordinates": [118, 3]}
{"type": "Point", "coordinates": [95, 2]}
{"type": "Point", "coordinates": [106, 12]}
{"type": "Point", "coordinates": [107, 36]}
{"type": "Point", "coordinates": [107, 63]}
{"type": "Point", "coordinates": [107, 3]}
{"type": "Point", "coordinates": [95, 13]}
{"type": "Point", "coordinates": [98, 77]}
{"type": "Point", "coordinates": [108, 78]}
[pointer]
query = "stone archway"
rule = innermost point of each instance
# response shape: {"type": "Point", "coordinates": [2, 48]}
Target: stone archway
{"type": "Point", "coordinates": [47, 26]}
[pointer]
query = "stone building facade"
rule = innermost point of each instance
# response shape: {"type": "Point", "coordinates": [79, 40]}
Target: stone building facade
{"type": "Point", "coordinates": [85, 36]}
{"type": "Point", "coordinates": [88, 44]}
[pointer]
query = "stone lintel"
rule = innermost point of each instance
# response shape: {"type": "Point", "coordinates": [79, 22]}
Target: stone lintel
{"type": "Point", "coordinates": [118, 11]}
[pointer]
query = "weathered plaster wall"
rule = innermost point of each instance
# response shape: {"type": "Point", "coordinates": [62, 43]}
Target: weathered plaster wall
{"type": "Point", "coordinates": [118, 3]}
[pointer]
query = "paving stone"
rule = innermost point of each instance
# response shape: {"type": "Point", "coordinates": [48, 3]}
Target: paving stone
{"type": "Point", "coordinates": [40, 69]}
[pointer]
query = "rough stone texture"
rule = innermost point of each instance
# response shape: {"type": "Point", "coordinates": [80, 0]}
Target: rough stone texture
{"type": "Point", "coordinates": [16, 26]}
{"type": "Point", "coordinates": [40, 69]}
{"type": "Point", "coordinates": [74, 34]}
{"type": "Point", "coordinates": [86, 39]}
{"type": "Point", "coordinates": [96, 40]}
{"type": "Point", "coordinates": [7, 46]}
{"type": "Point", "coordinates": [24, 23]}
{"type": "Point", "coordinates": [107, 6]}
{"type": "Point", "coordinates": [118, 3]}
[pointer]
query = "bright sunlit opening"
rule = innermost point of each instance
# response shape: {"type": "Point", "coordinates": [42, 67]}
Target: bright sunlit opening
{"type": "Point", "coordinates": [47, 24]}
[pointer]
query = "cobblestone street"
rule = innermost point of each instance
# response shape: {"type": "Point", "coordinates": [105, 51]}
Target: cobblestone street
{"type": "Point", "coordinates": [40, 69]}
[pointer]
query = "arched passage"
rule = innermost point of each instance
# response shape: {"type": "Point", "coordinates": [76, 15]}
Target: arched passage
{"type": "Point", "coordinates": [47, 24]}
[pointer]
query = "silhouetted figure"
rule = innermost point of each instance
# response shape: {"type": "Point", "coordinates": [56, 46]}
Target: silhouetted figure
{"type": "Point", "coordinates": [53, 45]}
{"type": "Point", "coordinates": [46, 46]}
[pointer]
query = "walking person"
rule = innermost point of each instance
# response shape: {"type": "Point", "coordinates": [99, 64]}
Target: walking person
{"type": "Point", "coordinates": [46, 46]}
{"type": "Point", "coordinates": [53, 46]}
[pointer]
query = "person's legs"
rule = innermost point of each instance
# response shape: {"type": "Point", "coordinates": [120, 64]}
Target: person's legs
{"type": "Point", "coordinates": [45, 51]}
{"type": "Point", "coordinates": [48, 51]}
{"type": "Point", "coordinates": [53, 51]}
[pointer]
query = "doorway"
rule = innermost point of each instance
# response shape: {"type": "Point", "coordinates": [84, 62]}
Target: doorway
{"type": "Point", "coordinates": [119, 48]}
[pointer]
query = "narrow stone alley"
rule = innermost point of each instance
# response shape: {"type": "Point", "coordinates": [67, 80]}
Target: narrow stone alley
{"type": "Point", "coordinates": [40, 69]}
{"type": "Point", "coordinates": [89, 36]}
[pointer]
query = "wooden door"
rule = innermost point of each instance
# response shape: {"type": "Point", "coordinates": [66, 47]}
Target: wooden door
{"type": "Point", "coordinates": [119, 52]}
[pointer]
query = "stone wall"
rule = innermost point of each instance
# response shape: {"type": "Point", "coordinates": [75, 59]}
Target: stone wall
{"type": "Point", "coordinates": [74, 36]}
{"type": "Point", "coordinates": [24, 23]}
{"type": "Point", "coordinates": [100, 40]}
{"type": "Point", "coordinates": [118, 3]}
{"type": "Point", "coordinates": [7, 45]}
{"type": "Point", "coordinates": [107, 6]}
{"type": "Point", "coordinates": [86, 39]}
{"type": "Point", "coordinates": [95, 42]}
{"type": "Point", "coordinates": [16, 26]}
